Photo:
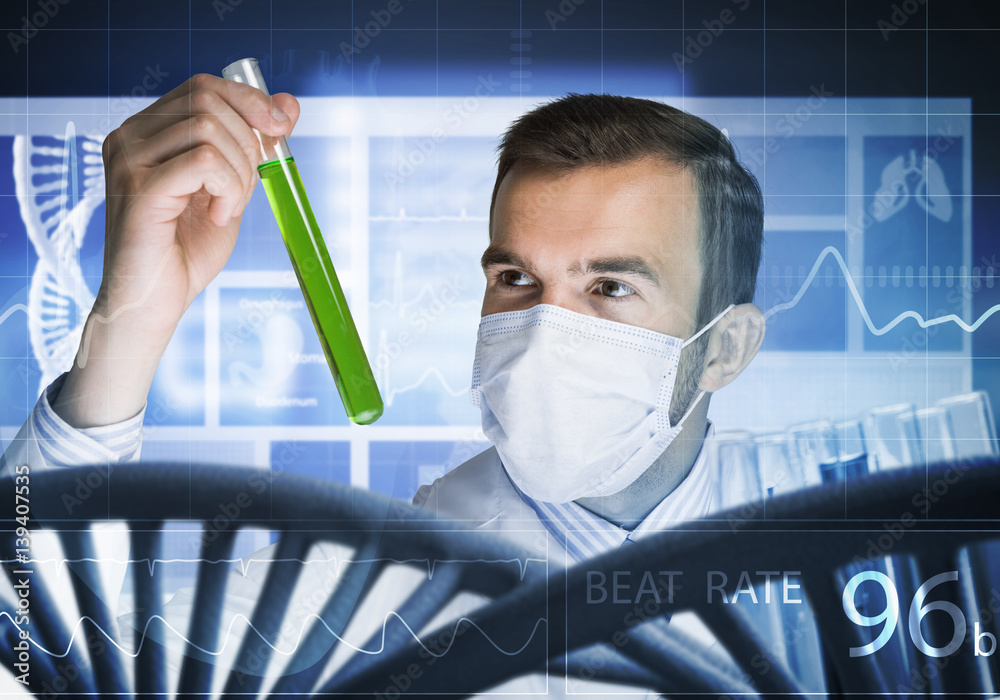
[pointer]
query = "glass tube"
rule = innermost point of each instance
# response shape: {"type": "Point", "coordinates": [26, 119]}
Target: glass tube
{"type": "Point", "coordinates": [313, 268]}
{"type": "Point", "coordinates": [936, 439]}
{"type": "Point", "coordinates": [737, 476]}
{"type": "Point", "coordinates": [777, 475]}
{"type": "Point", "coordinates": [811, 446]}
{"type": "Point", "coordinates": [891, 436]}
{"type": "Point", "coordinates": [969, 419]}
{"type": "Point", "coordinates": [853, 459]}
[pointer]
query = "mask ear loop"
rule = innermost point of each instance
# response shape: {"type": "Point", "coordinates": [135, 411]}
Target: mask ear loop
{"type": "Point", "coordinates": [708, 325]}
{"type": "Point", "coordinates": [701, 392]}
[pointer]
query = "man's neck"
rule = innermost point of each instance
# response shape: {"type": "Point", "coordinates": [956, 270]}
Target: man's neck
{"type": "Point", "coordinates": [631, 505]}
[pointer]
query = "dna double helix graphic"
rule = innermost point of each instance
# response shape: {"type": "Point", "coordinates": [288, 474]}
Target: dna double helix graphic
{"type": "Point", "coordinates": [59, 183]}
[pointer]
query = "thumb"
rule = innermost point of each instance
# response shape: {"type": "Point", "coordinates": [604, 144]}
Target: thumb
{"type": "Point", "coordinates": [289, 105]}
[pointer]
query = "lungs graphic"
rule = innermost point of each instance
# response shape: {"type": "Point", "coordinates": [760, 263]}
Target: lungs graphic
{"type": "Point", "coordinates": [932, 192]}
{"type": "Point", "coordinates": [929, 187]}
{"type": "Point", "coordinates": [893, 193]}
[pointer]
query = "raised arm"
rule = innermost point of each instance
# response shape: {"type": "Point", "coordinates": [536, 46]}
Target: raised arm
{"type": "Point", "coordinates": [179, 175]}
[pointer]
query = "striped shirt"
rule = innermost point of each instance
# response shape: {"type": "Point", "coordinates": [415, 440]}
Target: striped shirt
{"type": "Point", "coordinates": [586, 535]}
{"type": "Point", "coordinates": [63, 445]}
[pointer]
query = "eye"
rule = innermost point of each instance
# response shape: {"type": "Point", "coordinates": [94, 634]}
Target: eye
{"type": "Point", "coordinates": [615, 289]}
{"type": "Point", "coordinates": [513, 278]}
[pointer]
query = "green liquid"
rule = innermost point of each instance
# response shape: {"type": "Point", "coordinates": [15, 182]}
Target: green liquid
{"type": "Point", "coordinates": [322, 292]}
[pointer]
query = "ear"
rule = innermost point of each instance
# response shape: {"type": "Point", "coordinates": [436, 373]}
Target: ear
{"type": "Point", "coordinates": [732, 344]}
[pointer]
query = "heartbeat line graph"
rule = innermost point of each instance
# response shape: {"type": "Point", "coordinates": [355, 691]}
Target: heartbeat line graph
{"type": "Point", "coordinates": [401, 307]}
{"type": "Point", "coordinates": [246, 562]}
{"type": "Point", "coordinates": [392, 392]}
{"type": "Point", "coordinates": [433, 372]}
{"type": "Point", "coordinates": [302, 631]}
{"type": "Point", "coordinates": [426, 292]}
{"type": "Point", "coordinates": [54, 323]}
{"type": "Point", "coordinates": [433, 309]}
{"type": "Point", "coordinates": [830, 251]}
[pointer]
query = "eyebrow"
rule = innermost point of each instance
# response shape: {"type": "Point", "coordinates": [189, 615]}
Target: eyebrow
{"type": "Point", "coordinates": [618, 265]}
{"type": "Point", "coordinates": [495, 256]}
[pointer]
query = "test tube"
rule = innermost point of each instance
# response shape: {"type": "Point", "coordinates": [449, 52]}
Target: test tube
{"type": "Point", "coordinates": [969, 419]}
{"type": "Point", "coordinates": [738, 478]}
{"type": "Point", "coordinates": [892, 436]}
{"type": "Point", "coordinates": [311, 261]}
{"type": "Point", "coordinates": [812, 445]}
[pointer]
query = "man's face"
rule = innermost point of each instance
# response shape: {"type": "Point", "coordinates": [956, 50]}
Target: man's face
{"type": "Point", "coordinates": [618, 242]}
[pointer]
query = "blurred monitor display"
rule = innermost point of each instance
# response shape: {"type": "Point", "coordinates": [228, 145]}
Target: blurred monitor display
{"type": "Point", "coordinates": [867, 223]}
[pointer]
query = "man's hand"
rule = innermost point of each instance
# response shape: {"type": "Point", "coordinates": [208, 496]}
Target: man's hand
{"type": "Point", "coordinates": [179, 175]}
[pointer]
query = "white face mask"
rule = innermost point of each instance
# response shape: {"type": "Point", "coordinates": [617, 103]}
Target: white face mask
{"type": "Point", "coordinates": [576, 406]}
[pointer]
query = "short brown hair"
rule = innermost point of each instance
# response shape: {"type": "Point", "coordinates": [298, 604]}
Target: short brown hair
{"type": "Point", "coordinates": [580, 130]}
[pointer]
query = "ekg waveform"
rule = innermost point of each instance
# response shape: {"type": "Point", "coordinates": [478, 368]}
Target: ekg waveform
{"type": "Point", "coordinates": [30, 314]}
{"type": "Point", "coordinates": [391, 393]}
{"type": "Point", "coordinates": [284, 652]}
{"type": "Point", "coordinates": [830, 251]}
{"type": "Point", "coordinates": [246, 562]}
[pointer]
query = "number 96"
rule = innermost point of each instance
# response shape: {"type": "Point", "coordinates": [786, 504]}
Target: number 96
{"type": "Point", "coordinates": [891, 613]}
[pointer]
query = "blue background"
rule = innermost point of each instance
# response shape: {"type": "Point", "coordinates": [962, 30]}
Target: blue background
{"type": "Point", "coordinates": [773, 51]}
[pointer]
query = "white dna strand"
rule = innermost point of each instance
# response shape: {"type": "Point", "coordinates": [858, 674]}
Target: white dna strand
{"type": "Point", "coordinates": [59, 183]}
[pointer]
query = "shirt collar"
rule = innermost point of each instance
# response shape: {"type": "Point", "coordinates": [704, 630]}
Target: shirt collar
{"type": "Point", "coordinates": [587, 535]}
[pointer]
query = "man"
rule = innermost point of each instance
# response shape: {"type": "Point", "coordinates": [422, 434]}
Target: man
{"type": "Point", "coordinates": [612, 208]}
{"type": "Point", "coordinates": [619, 229]}
{"type": "Point", "coordinates": [625, 210]}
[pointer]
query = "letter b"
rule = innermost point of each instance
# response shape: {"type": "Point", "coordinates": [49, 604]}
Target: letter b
{"type": "Point", "coordinates": [599, 585]}
{"type": "Point", "coordinates": [977, 635]}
